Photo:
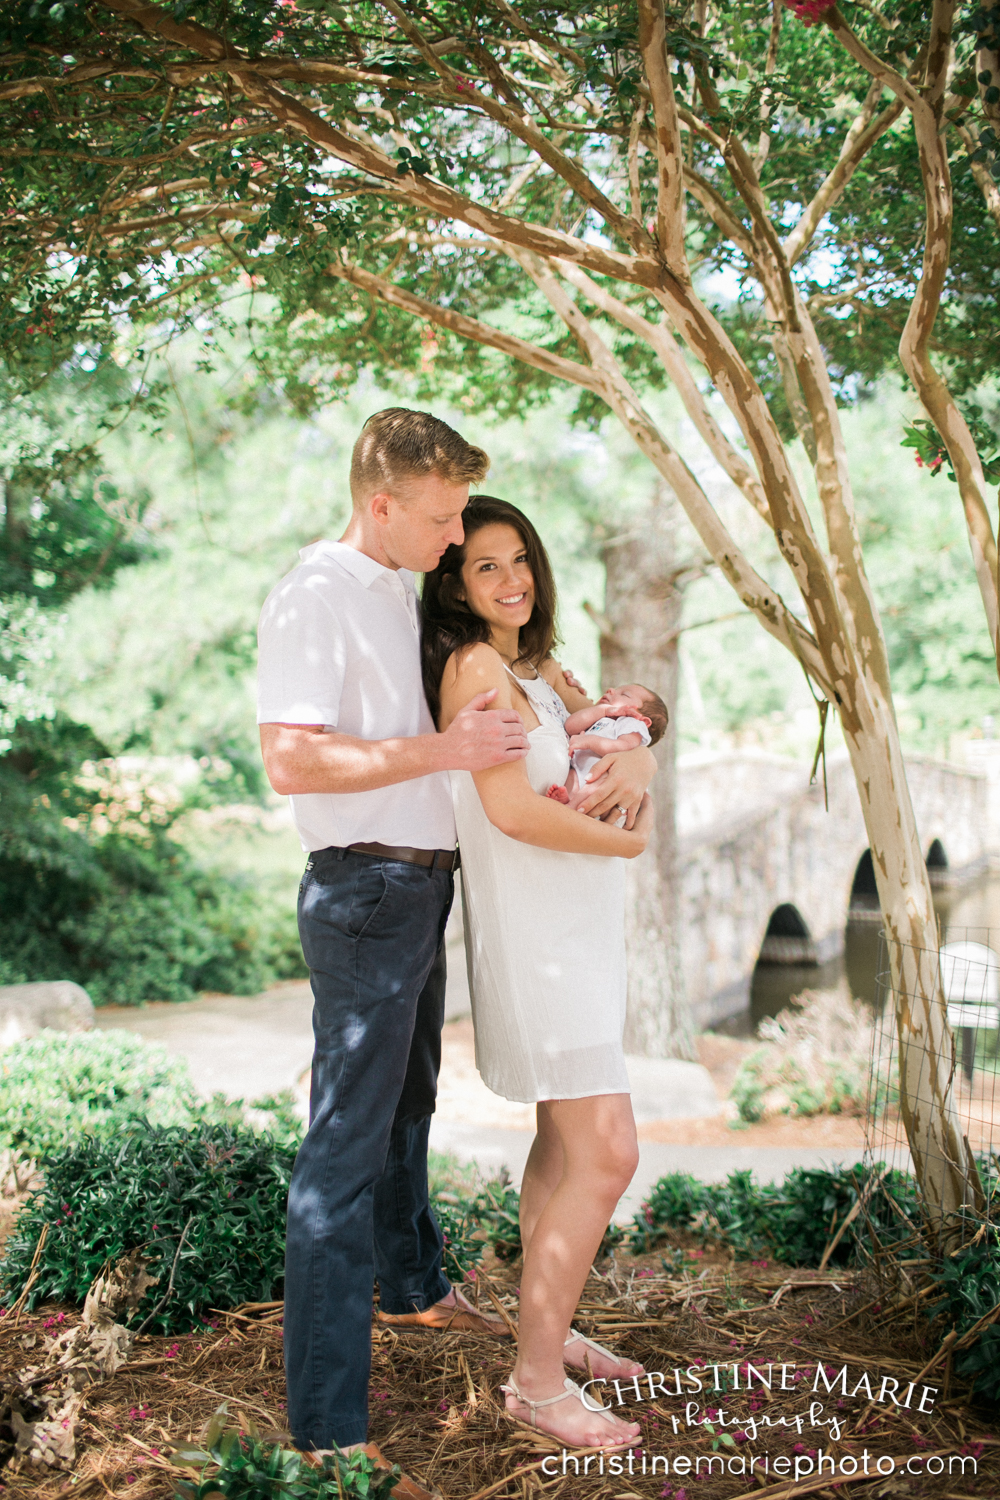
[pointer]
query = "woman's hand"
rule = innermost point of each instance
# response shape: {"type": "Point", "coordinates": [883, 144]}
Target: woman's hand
{"type": "Point", "coordinates": [619, 781]}
{"type": "Point", "coordinates": [643, 824]}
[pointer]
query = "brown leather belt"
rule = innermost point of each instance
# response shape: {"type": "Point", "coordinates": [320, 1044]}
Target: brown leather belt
{"type": "Point", "coordinates": [431, 859]}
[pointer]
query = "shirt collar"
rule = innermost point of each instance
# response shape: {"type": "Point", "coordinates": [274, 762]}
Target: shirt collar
{"type": "Point", "coordinates": [362, 567]}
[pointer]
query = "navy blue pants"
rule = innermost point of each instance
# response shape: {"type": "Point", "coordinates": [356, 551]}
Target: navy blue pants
{"type": "Point", "coordinates": [372, 933]}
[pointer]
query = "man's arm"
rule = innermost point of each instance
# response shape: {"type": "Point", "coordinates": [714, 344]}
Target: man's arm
{"type": "Point", "coordinates": [302, 758]}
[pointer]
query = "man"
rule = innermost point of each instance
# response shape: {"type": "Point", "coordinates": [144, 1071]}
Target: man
{"type": "Point", "coordinates": [346, 732]}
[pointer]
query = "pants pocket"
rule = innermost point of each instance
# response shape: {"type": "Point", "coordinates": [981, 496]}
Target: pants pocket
{"type": "Point", "coordinates": [369, 894]}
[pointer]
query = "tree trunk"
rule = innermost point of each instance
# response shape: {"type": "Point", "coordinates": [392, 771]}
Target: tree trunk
{"type": "Point", "coordinates": [638, 644]}
{"type": "Point", "coordinates": [943, 1162]}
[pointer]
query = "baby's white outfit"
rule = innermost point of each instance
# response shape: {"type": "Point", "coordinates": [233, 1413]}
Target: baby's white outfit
{"type": "Point", "coordinates": [584, 760]}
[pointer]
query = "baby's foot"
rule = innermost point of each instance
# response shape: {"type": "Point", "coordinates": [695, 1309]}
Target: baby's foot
{"type": "Point", "coordinates": [558, 793]}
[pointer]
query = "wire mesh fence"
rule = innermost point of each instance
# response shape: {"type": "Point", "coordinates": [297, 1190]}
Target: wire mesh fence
{"type": "Point", "coordinates": [968, 967]}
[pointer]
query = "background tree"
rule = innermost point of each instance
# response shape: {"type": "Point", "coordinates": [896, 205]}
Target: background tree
{"type": "Point", "coordinates": [639, 629]}
{"type": "Point", "coordinates": [595, 164]}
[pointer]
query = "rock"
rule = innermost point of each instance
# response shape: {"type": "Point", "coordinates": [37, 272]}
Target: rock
{"type": "Point", "coordinates": [55, 1005]}
{"type": "Point", "coordinates": [666, 1088]}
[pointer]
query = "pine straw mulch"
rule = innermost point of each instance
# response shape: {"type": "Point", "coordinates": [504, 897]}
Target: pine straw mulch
{"type": "Point", "coordinates": [436, 1408]}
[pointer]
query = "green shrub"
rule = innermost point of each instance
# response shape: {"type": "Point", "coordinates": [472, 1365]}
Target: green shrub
{"type": "Point", "coordinates": [791, 1221]}
{"type": "Point", "coordinates": [969, 1283]}
{"type": "Point", "coordinates": [60, 1086]}
{"type": "Point", "coordinates": [134, 1184]}
{"type": "Point", "coordinates": [57, 1087]}
{"type": "Point", "coordinates": [469, 1224]}
{"type": "Point", "coordinates": [242, 1467]}
{"type": "Point", "coordinates": [10, 973]}
{"type": "Point", "coordinates": [120, 906]}
{"type": "Point", "coordinates": [103, 1198]}
{"type": "Point", "coordinates": [814, 1060]}
{"type": "Point", "coordinates": [748, 1089]}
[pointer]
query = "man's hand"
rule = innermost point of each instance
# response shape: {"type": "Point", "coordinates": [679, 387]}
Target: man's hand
{"type": "Point", "coordinates": [619, 781]}
{"type": "Point", "coordinates": [480, 736]}
{"type": "Point", "coordinates": [571, 681]}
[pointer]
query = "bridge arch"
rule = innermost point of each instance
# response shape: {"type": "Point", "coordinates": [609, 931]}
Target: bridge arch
{"type": "Point", "coordinates": [863, 905]}
{"type": "Point", "coordinates": [787, 939]}
{"type": "Point", "coordinates": [937, 864]}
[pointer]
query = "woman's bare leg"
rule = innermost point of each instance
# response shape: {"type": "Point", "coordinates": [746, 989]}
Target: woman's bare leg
{"type": "Point", "coordinates": [599, 1154]}
{"type": "Point", "coordinates": [542, 1172]}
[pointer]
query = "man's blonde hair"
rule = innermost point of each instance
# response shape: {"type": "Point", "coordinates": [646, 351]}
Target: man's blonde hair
{"type": "Point", "coordinates": [398, 444]}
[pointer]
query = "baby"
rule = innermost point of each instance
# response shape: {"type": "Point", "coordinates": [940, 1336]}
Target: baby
{"type": "Point", "coordinates": [623, 719]}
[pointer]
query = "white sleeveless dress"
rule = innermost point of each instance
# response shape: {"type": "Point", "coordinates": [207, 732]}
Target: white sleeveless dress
{"type": "Point", "coordinates": [544, 941]}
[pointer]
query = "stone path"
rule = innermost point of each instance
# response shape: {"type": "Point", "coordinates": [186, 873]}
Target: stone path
{"type": "Point", "coordinates": [249, 1046]}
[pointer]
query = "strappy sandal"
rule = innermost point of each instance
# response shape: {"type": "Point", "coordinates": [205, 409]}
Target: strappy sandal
{"type": "Point", "coordinates": [572, 1392]}
{"type": "Point", "coordinates": [575, 1337]}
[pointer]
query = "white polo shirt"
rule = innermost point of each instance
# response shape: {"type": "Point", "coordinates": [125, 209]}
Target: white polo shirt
{"type": "Point", "coordinates": [339, 641]}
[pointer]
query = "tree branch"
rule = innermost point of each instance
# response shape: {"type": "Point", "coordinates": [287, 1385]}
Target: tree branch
{"type": "Point", "coordinates": [914, 345]}
{"type": "Point", "coordinates": [755, 594]}
{"type": "Point", "coordinates": [422, 190]}
{"type": "Point", "coordinates": [671, 356]}
{"type": "Point", "coordinates": [988, 188]}
{"type": "Point", "coordinates": [630, 230]}
{"type": "Point", "coordinates": [721, 214]}
{"type": "Point", "coordinates": [466, 327]}
{"type": "Point", "coordinates": [858, 141]}
{"type": "Point", "coordinates": [669, 157]}
{"type": "Point", "coordinates": [770, 63]}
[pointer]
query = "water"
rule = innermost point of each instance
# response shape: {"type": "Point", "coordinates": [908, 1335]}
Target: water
{"type": "Point", "coordinates": [975, 905]}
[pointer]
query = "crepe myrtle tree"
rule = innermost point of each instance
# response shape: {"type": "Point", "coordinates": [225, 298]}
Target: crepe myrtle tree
{"type": "Point", "coordinates": [500, 198]}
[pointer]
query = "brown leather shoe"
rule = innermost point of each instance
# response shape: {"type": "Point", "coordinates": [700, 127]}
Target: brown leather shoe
{"type": "Point", "coordinates": [438, 1319]}
{"type": "Point", "coordinates": [405, 1488]}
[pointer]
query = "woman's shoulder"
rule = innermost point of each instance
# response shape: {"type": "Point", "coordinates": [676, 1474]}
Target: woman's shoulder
{"type": "Point", "coordinates": [550, 669]}
{"type": "Point", "coordinates": [470, 670]}
{"type": "Point", "coordinates": [476, 658]}
{"type": "Point", "coordinates": [476, 667]}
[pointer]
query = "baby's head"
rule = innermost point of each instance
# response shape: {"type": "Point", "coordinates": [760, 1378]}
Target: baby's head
{"type": "Point", "coordinates": [649, 705]}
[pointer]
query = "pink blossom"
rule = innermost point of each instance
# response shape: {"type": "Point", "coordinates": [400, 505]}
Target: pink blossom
{"type": "Point", "coordinates": [810, 12]}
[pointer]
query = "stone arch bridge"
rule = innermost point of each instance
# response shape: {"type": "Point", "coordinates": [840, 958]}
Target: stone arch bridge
{"type": "Point", "coordinates": [766, 872]}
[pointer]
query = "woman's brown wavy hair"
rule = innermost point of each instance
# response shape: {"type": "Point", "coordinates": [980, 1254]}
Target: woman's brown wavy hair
{"type": "Point", "coordinates": [449, 623]}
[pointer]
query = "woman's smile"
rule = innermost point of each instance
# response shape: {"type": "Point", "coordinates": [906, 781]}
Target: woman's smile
{"type": "Point", "coordinates": [497, 582]}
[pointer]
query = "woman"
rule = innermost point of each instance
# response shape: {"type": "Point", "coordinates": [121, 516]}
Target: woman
{"type": "Point", "coordinates": [544, 908]}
